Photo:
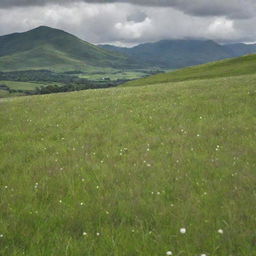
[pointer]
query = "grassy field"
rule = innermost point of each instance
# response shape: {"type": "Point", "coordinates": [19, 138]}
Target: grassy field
{"type": "Point", "coordinates": [125, 171]}
{"type": "Point", "coordinates": [25, 86]}
{"type": "Point", "coordinates": [226, 68]}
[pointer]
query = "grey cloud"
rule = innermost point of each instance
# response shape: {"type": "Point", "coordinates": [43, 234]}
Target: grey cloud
{"type": "Point", "coordinates": [137, 17]}
{"type": "Point", "coordinates": [127, 24]}
{"type": "Point", "coordinates": [238, 9]}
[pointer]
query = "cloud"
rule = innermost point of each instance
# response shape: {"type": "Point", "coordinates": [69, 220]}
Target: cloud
{"type": "Point", "coordinates": [239, 9]}
{"type": "Point", "coordinates": [126, 24]}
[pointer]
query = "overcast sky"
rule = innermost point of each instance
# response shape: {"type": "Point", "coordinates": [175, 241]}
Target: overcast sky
{"type": "Point", "coordinates": [129, 22]}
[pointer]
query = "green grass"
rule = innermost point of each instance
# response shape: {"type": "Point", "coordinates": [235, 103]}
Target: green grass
{"type": "Point", "coordinates": [134, 165]}
{"type": "Point", "coordinates": [25, 86]}
{"type": "Point", "coordinates": [225, 68]}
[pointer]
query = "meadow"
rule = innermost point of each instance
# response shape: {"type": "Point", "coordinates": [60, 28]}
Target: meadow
{"type": "Point", "coordinates": [25, 86]}
{"type": "Point", "coordinates": [166, 169]}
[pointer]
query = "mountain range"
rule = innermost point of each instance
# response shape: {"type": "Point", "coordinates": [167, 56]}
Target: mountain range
{"type": "Point", "coordinates": [175, 54]}
{"type": "Point", "coordinates": [57, 50]}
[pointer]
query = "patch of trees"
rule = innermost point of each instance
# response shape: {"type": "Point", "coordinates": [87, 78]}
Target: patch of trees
{"type": "Point", "coordinates": [73, 87]}
{"type": "Point", "coordinates": [40, 76]}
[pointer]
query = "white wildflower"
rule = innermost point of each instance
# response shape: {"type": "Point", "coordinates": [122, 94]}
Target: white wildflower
{"type": "Point", "coordinates": [183, 231]}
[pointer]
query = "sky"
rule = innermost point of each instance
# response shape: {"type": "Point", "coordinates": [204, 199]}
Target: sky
{"type": "Point", "coordinates": [130, 22]}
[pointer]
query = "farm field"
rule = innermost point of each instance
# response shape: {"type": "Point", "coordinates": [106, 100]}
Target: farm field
{"type": "Point", "coordinates": [25, 86]}
{"type": "Point", "coordinates": [129, 171]}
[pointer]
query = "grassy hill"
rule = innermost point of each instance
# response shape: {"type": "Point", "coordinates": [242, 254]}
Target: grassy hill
{"type": "Point", "coordinates": [226, 68]}
{"type": "Point", "coordinates": [121, 171]}
{"type": "Point", "coordinates": [48, 48]}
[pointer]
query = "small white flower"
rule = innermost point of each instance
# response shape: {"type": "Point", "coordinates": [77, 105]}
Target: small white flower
{"type": "Point", "coordinates": [60, 201]}
{"type": "Point", "coordinates": [1, 235]}
{"type": "Point", "coordinates": [203, 254]}
{"type": "Point", "coordinates": [81, 203]}
{"type": "Point", "coordinates": [183, 231]}
{"type": "Point", "coordinates": [85, 234]}
{"type": "Point", "coordinates": [169, 253]}
{"type": "Point", "coordinates": [98, 234]}
{"type": "Point", "coordinates": [220, 231]}
{"type": "Point", "coordinates": [158, 193]}
{"type": "Point", "coordinates": [5, 187]}
{"type": "Point", "coordinates": [97, 187]}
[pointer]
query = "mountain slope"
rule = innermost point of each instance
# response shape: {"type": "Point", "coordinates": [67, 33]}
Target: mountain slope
{"type": "Point", "coordinates": [50, 48]}
{"type": "Point", "coordinates": [175, 53]}
{"type": "Point", "coordinates": [241, 49]}
{"type": "Point", "coordinates": [224, 68]}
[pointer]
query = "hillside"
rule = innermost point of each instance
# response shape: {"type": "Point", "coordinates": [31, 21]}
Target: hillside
{"type": "Point", "coordinates": [121, 171]}
{"type": "Point", "coordinates": [241, 49]}
{"type": "Point", "coordinates": [173, 54]}
{"type": "Point", "coordinates": [231, 67]}
{"type": "Point", "coordinates": [48, 48]}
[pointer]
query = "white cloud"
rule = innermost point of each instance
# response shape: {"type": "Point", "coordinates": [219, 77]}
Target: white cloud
{"type": "Point", "coordinates": [222, 28]}
{"type": "Point", "coordinates": [133, 30]}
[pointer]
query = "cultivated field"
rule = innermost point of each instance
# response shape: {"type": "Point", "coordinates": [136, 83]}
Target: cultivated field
{"type": "Point", "coordinates": [131, 171]}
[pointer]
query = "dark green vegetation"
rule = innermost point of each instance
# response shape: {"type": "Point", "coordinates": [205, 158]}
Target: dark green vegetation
{"type": "Point", "coordinates": [120, 171]}
{"type": "Point", "coordinates": [175, 54]}
{"type": "Point", "coordinates": [231, 67]}
{"type": "Point", "coordinates": [56, 50]}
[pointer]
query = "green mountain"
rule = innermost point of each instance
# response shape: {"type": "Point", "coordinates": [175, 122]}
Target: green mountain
{"type": "Point", "coordinates": [175, 54]}
{"type": "Point", "coordinates": [48, 48]}
{"type": "Point", "coordinates": [225, 68]}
